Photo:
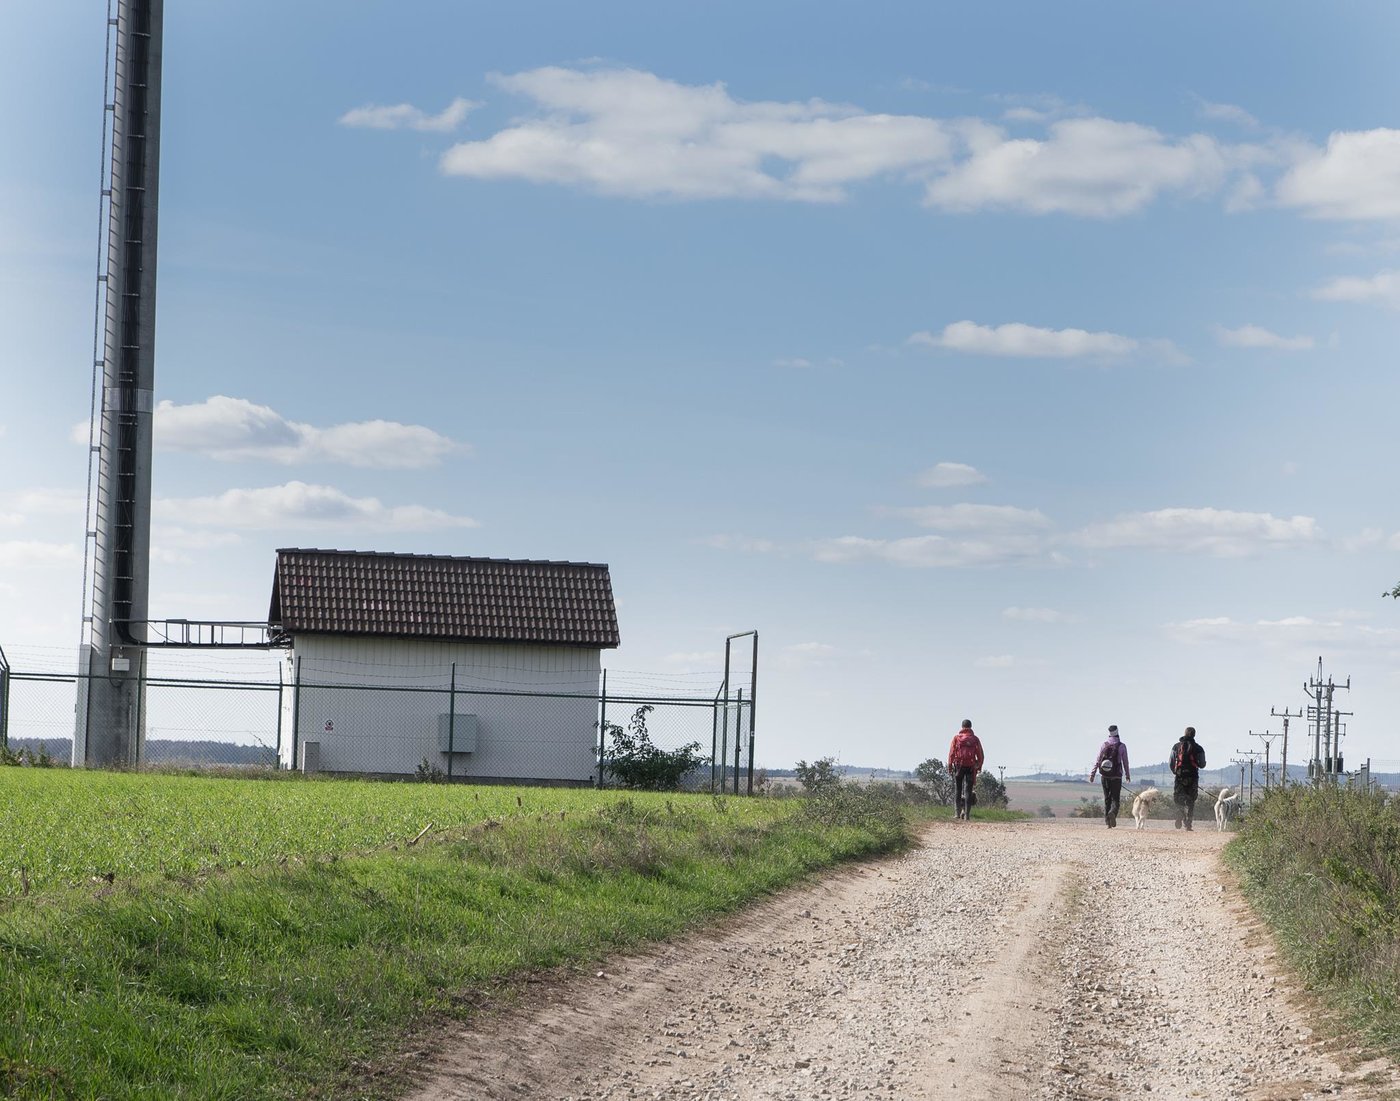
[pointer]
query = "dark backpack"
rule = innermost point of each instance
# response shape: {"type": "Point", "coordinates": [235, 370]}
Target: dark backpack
{"type": "Point", "coordinates": [1184, 760]}
{"type": "Point", "coordinates": [1108, 763]}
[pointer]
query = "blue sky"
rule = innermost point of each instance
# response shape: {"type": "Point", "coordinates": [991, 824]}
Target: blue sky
{"type": "Point", "coordinates": [1018, 362]}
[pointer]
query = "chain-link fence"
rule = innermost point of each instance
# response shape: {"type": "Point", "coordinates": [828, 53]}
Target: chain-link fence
{"type": "Point", "coordinates": [412, 726]}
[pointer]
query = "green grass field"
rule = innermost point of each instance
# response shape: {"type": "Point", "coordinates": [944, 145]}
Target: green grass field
{"type": "Point", "coordinates": [265, 939]}
{"type": "Point", "coordinates": [65, 826]}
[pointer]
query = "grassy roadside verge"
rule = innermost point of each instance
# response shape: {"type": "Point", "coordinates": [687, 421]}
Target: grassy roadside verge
{"type": "Point", "coordinates": [1323, 869]}
{"type": "Point", "coordinates": [297, 976]}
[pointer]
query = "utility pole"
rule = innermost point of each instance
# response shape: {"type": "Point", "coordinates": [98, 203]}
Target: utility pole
{"type": "Point", "coordinates": [1285, 715]}
{"type": "Point", "coordinates": [1320, 718]}
{"type": "Point", "coordinates": [1338, 729]}
{"type": "Point", "coordinates": [1268, 740]}
{"type": "Point", "coordinates": [1250, 755]}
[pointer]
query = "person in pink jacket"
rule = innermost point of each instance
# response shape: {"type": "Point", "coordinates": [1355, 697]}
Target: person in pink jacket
{"type": "Point", "coordinates": [1112, 766]}
{"type": "Point", "coordinates": [964, 763]}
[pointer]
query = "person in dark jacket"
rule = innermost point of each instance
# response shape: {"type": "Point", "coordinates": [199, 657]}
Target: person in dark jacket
{"type": "Point", "coordinates": [1186, 761]}
{"type": "Point", "coordinates": [1112, 766]}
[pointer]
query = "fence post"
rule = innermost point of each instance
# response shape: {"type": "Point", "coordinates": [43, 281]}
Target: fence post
{"type": "Point", "coordinates": [4, 702]}
{"type": "Point", "coordinates": [753, 706]}
{"type": "Point", "coordinates": [738, 745]}
{"type": "Point", "coordinates": [143, 686]}
{"type": "Point", "coordinates": [750, 791]}
{"type": "Point", "coordinates": [602, 727]}
{"type": "Point", "coordinates": [714, 738]}
{"type": "Point", "coordinates": [278, 750]}
{"type": "Point", "coordinates": [451, 719]}
{"type": "Point", "coordinates": [296, 712]}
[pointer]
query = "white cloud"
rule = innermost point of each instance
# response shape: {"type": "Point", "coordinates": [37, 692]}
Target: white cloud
{"type": "Point", "coordinates": [1227, 112]}
{"type": "Point", "coordinates": [795, 361]}
{"type": "Point", "coordinates": [298, 506]}
{"type": "Point", "coordinates": [1037, 615]}
{"type": "Point", "coordinates": [17, 554]}
{"type": "Point", "coordinates": [966, 517]}
{"type": "Point", "coordinates": [950, 476]}
{"type": "Point", "coordinates": [1027, 341]}
{"type": "Point", "coordinates": [1382, 288]}
{"type": "Point", "coordinates": [1356, 177]}
{"type": "Point", "coordinates": [629, 133]}
{"type": "Point", "coordinates": [173, 537]}
{"type": "Point", "coordinates": [933, 551]}
{"type": "Point", "coordinates": [1093, 167]}
{"type": "Point", "coordinates": [1200, 530]}
{"type": "Point", "coordinates": [811, 649]}
{"type": "Point", "coordinates": [44, 502]}
{"type": "Point", "coordinates": [1334, 631]}
{"type": "Point", "coordinates": [1038, 108]}
{"type": "Point", "coordinates": [233, 429]}
{"type": "Point", "coordinates": [740, 543]}
{"type": "Point", "coordinates": [404, 116]}
{"type": "Point", "coordinates": [995, 661]}
{"type": "Point", "coordinates": [1365, 539]}
{"type": "Point", "coordinates": [802, 655]}
{"type": "Point", "coordinates": [1253, 336]}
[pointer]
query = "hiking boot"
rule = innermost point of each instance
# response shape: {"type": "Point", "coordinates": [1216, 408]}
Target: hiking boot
{"type": "Point", "coordinates": [1178, 823]}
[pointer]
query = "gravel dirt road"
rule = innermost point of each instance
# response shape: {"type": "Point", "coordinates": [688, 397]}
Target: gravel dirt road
{"type": "Point", "coordinates": [1048, 959]}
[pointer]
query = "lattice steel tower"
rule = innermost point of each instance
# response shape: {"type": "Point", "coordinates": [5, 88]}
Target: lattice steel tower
{"type": "Point", "coordinates": [110, 728]}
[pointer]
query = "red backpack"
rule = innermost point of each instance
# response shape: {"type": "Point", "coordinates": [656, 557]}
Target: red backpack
{"type": "Point", "coordinates": [962, 755]}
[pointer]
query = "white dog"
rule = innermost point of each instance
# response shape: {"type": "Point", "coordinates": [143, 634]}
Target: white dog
{"type": "Point", "coordinates": [1222, 806]}
{"type": "Point", "coordinates": [1142, 806]}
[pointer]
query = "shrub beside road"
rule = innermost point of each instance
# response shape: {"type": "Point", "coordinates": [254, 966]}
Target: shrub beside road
{"type": "Point", "coordinates": [1322, 866]}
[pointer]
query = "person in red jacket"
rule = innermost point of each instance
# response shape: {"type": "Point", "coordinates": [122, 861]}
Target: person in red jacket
{"type": "Point", "coordinates": [964, 763]}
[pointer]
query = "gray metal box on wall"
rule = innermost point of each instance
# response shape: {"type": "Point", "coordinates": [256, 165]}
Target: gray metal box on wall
{"type": "Point", "coordinates": [462, 733]}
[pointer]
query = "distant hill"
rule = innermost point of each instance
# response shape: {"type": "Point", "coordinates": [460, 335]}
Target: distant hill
{"type": "Point", "coordinates": [853, 772]}
{"type": "Point", "coordinates": [1160, 775]}
{"type": "Point", "coordinates": [165, 752]}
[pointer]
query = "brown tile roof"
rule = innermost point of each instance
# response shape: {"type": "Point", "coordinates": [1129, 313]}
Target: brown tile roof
{"type": "Point", "coordinates": [440, 597]}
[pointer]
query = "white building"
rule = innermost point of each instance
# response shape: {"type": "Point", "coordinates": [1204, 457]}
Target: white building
{"type": "Point", "coordinates": [379, 647]}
